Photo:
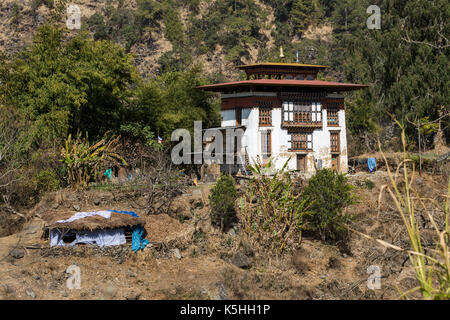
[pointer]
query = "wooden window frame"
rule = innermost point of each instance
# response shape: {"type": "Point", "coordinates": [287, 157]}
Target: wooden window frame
{"type": "Point", "coordinates": [265, 117]}
{"type": "Point", "coordinates": [301, 138]}
{"type": "Point", "coordinates": [333, 117]}
{"type": "Point", "coordinates": [306, 113]}
{"type": "Point", "coordinates": [266, 144]}
{"type": "Point", "coordinates": [335, 136]}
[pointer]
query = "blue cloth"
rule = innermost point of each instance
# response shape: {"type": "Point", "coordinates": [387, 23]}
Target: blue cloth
{"type": "Point", "coordinates": [137, 239]}
{"type": "Point", "coordinates": [108, 173]}
{"type": "Point", "coordinates": [371, 163]}
{"type": "Point", "coordinates": [131, 213]}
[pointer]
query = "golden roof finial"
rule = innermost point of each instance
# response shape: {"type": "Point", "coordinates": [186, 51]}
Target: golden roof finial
{"type": "Point", "coordinates": [281, 54]}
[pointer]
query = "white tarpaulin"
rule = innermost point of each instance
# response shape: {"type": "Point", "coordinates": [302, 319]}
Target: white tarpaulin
{"type": "Point", "coordinates": [102, 238]}
{"type": "Point", "coordinates": [80, 215]}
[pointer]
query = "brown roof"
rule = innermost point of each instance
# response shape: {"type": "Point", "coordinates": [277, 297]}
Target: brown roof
{"type": "Point", "coordinates": [286, 83]}
{"type": "Point", "coordinates": [281, 65]}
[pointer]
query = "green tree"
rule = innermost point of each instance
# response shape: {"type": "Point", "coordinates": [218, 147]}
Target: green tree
{"type": "Point", "coordinates": [405, 62]}
{"type": "Point", "coordinates": [303, 14]}
{"type": "Point", "coordinates": [328, 193]}
{"type": "Point", "coordinates": [172, 101]}
{"type": "Point", "coordinates": [65, 85]}
{"type": "Point", "coordinates": [222, 202]}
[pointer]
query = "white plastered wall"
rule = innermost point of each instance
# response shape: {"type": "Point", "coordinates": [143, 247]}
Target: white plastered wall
{"type": "Point", "coordinates": [280, 139]}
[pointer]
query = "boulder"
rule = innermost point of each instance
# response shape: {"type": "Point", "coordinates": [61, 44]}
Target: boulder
{"type": "Point", "coordinates": [240, 260]}
{"type": "Point", "coordinates": [17, 253]}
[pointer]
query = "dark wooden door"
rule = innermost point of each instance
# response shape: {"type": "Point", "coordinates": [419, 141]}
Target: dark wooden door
{"type": "Point", "coordinates": [301, 162]}
{"type": "Point", "coordinates": [335, 162]}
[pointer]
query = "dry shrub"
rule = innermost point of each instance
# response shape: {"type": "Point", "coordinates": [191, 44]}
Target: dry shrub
{"type": "Point", "coordinates": [271, 212]}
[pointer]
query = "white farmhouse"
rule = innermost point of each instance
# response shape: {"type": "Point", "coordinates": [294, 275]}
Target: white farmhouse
{"type": "Point", "coordinates": [287, 114]}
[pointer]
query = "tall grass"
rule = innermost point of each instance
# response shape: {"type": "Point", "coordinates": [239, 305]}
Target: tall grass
{"type": "Point", "coordinates": [432, 269]}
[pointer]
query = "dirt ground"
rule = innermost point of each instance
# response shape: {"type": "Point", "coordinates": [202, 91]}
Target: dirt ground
{"type": "Point", "coordinates": [190, 259]}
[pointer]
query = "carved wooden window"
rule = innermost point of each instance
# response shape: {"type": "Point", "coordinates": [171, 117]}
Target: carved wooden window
{"type": "Point", "coordinates": [302, 113]}
{"type": "Point", "coordinates": [265, 117]}
{"type": "Point", "coordinates": [334, 143]}
{"type": "Point", "coordinates": [332, 115]}
{"type": "Point", "coordinates": [301, 142]}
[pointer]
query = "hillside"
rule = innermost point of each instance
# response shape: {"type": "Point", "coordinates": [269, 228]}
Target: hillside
{"type": "Point", "coordinates": [189, 259]}
{"type": "Point", "coordinates": [89, 120]}
{"type": "Point", "coordinates": [149, 42]}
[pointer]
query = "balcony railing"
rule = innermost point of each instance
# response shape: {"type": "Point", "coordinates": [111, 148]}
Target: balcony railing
{"type": "Point", "coordinates": [302, 119]}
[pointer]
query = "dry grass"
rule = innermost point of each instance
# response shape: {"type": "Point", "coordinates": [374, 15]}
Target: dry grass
{"type": "Point", "coordinates": [432, 267]}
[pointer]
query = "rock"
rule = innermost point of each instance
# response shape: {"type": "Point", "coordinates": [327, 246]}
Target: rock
{"type": "Point", "coordinates": [232, 232]}
{"type": "Point", "coordinates": [222, 292]}
{"type": "Point", "coordinates": [110, 291]}
{"type": "Point", "coordinates": [97, 202]}
{"type": "Point", "coordinates": [52, 286]}
{"type": "Point", "coordinates": [240, 260]}
{"type": "Point", "coordinates": [132, 295]}
{"type": "Point", "coordinates": [302, 293]}
{"type": "Point", "coordinates": [64, 294]}
{"type": "Point", "coordinates": [7, 292]}
{"type": "Point", "coordinates": [76, 207]}
{"type": "Point", "coordinates": [93, 292]}
{"type": "Point", "coordinates": [55, 205]}
{"type": "Point", "coordinates": [37, 278]}
{"type": "Point", "coordinates": [176, 253]}
{"type": "Point", "coordinates": [30, 293]}
{"type": "Point", "coordinates": [33, 229]}
{"type": "Point", "coordinates": [17, 253]}
{"type": "Point", "coordinates": [40, 19]}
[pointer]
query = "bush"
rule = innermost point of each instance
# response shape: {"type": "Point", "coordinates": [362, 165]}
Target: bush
{"type": "Point", "coordinates": [222, 200]}
{"type": "Point", "coordinates": [85, 161]}
{"type": "Point", "coordinates": [272, 211]}
{"type": "Point", "coordinates": [47, 180]}
{"type": "Point", "coordinates": [328, 193]}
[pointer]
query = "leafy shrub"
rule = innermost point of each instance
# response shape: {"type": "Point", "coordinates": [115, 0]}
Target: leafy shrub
{"type": "Point", "coordinates": [84, 161]}
{"type": "Point", "coordinates": [329, 193]}
{"type": "Point", "coordinates": [272, 211]}
{"type": "Point", "coordinates": [47, 180]}
{"type": "Point", "coordinates": [222, 200]}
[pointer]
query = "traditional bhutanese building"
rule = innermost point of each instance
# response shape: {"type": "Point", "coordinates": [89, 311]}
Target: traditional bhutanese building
{"type": "Point", "coordinates": [287, 114]}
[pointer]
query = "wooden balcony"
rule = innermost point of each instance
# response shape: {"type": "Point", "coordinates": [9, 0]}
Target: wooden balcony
{"type": "Point", "coordinates": [293, 124]}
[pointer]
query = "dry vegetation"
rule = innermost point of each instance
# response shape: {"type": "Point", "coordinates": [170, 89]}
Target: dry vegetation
{"type": "Point", "coordinates": [191, 259]}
